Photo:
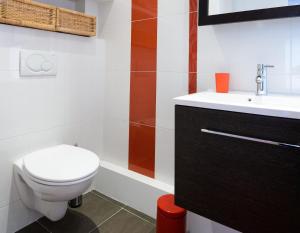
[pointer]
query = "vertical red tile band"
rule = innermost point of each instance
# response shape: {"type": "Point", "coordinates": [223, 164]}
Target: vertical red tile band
{"type": "Point", "coordinates": [193, 37]}
{"type": "Point", "coordinates": [142, 122]}
{"type": "Point", "coordinates": [142, 113]}
{"type": "Point", "coordinates": [142, 9]}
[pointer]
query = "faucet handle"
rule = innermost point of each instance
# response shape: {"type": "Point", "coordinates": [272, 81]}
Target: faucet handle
{"type": "Point", "coordinates": [265, 68]}
{"type": "Point", "coordinates": [269, 66]}
{"type": "Point", "coordinates": [261, 68]}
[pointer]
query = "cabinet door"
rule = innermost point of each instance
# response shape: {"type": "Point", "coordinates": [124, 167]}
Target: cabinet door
{"type": "Point", "coordinates": [251, 186]}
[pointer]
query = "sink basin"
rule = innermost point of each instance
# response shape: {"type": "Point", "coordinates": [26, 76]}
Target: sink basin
{"type": "Point", "coordinates": [271, 105]}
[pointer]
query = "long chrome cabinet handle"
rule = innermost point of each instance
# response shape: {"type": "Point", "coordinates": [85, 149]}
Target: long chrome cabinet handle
{"type": "Point", "coordinates": [207, 131]}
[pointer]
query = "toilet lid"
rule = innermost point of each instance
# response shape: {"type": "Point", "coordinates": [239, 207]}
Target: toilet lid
{"type": "Point", "coordinates": [61, 164]}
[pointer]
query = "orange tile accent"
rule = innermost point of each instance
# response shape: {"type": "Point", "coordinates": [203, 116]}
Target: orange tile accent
{"type": "Point", "coordinates": [193, 42]}
{"type": "Point", "coordinates": [143, 9]}
{"type": "Point", "coordinates": [142, 149]}
{"type": "Point", "coordinates": [143, 87]}
{"type": "Point", "coordinates": [144, 45]}
{"type": "Point", "coordinates": [192, 83]}
{"type": "Point", "coordinates": [193, 49]}
{"type": "Point", "coordinates": [193, 5]}
{"type": "Point", "coordinates": [143, 98]}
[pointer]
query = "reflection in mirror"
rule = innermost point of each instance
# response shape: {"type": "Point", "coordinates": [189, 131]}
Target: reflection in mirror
{"type": "Point", "coordinates": [217, 7]}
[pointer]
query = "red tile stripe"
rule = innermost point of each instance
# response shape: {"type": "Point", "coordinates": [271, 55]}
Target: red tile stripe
{"type": "Point", "coordinates": [143, 87]}
{"type": "Point", "coordinates": [143, 81]}
{"type": "Point", "coordinates": [193, 37]}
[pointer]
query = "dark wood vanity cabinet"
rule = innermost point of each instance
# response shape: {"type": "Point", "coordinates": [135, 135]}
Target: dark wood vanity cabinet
{"type": "Point", "coordinates": [253, 187]}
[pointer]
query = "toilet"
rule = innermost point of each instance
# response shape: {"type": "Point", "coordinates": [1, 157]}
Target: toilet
{"type": "Point", "coordinates": [47, 179]}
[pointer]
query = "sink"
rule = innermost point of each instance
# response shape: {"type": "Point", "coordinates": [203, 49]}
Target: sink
{"type": "Point", "coordinates": [287, 106]}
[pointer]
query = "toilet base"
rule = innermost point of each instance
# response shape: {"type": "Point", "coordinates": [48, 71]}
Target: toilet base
{"type": "Point", "coordinates": [52, 210]}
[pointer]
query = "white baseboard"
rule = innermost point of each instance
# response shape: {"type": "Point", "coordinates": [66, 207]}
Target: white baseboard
{"type": "Point", "coordinates": [130, 188]}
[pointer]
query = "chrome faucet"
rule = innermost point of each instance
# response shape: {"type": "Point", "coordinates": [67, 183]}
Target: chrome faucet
{"type": "Point", "coordinates": [261, 79]}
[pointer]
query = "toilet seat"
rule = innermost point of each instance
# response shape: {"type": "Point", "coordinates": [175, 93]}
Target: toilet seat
{"type": "Point", "coordinates": [49, 183]}
{"type": "Point", "coordinates": [60, 165]}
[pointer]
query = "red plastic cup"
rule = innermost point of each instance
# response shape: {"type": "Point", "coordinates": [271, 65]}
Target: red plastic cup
{"type": "Point", "coordinates": [222, 82]}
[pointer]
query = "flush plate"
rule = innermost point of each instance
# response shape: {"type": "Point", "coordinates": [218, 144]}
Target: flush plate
{"type": "Point", "coordinates": [34, 63]}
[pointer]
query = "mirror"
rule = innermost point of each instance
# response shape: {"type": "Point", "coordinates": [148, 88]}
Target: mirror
{"type": "Point", "coordinates": [217, 7]}
{"type": "Point", "coordinates": [229, 11]}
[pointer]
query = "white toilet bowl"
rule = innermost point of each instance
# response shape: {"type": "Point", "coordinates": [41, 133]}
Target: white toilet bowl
{"type": "Point", "coordinates": [47, 179]}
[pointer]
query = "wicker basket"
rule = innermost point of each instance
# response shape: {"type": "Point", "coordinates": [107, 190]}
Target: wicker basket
{"type": "Point", "coordinates": [74, 22]}
{"type": "Point", "coordinates": [27, 13]}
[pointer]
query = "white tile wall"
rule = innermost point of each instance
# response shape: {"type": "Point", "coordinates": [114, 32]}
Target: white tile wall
{"type": "Point", "coordinates": [173, 7]}
{"type": "Point", "coordinates": [165, 155]}
{"type": "Point", "coordinates": [199, 224]}
{"type": "Point", "coordinates": [37, 113]}
{"type": "Point", "coordinates": [172, 79]}
{"type": "Point", "coordinates": [117, 91]}
{"type": "Point", "coordinates": [116, 139]}
{"type": "Point", "coordinates": [115, 29]}
{"type": "Point", "coordinates": [295, 83]}
{"type": "Point", "coordinates": [169, 85]}
{"type": "Point", "coordinates": [173, 42]}
{"type": "Point", "coordinates": [218, 228]}
{"type": "Point", "coordinates": [66, 3]}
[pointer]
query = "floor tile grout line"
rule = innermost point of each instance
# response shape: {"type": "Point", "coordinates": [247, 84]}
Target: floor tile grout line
{"type": "Point", "coordinates": [124, 207]}
{"type": "Point", "coordinates": [100, 224]}
{"type": "Point", "coordinates": [44, 227]}
{"type": "Point", "coordinates": [107, 199]}
{"type": "Point", "coordinates": [145, 220]}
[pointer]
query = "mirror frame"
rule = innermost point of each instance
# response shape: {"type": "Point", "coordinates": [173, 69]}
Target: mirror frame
{"type": "Point", "coordinates": [243, 16]}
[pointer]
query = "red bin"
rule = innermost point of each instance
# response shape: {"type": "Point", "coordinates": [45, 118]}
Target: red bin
{"type": "Point", "coordinates": [170, 218]}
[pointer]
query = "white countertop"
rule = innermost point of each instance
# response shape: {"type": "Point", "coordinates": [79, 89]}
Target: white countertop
{"type": "Point", "coordinates": [287, 106]}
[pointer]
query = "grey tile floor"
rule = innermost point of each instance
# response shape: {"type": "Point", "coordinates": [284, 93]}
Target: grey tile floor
{"type": "Point", "coordinates": [98, 214]}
